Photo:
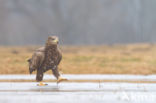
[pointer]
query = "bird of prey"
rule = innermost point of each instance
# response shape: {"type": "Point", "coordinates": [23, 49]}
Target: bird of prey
{"type": "Point", "coordinates": [46, 58]}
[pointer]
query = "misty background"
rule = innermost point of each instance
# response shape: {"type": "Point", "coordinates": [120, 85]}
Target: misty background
{"type": "Point", "coordinates": [77, 22]}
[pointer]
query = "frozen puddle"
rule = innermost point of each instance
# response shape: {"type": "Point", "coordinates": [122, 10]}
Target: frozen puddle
{"type": "Point", "coordinates": [28, 92]}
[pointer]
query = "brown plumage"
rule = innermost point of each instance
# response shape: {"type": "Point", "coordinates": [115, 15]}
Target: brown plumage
{"type": "Point", "coordinates": [46, 58]}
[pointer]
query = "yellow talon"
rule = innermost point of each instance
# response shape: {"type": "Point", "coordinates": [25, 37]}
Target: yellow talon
{"type": "Point", "coordinates": [60, 79]}
{"type": "Point", "coordinates": [41, 84]}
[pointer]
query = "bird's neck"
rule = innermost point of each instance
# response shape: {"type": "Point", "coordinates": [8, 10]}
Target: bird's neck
{"type": "Point", "coordinates": [51, 48]}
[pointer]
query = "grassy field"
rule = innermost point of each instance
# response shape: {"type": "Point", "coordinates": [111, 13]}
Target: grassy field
{"type": "Point", "coordinates": [112, 59]}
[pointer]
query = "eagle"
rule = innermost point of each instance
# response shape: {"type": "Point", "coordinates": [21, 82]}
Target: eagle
{"type": "Point", "coordinates": [46, 58]}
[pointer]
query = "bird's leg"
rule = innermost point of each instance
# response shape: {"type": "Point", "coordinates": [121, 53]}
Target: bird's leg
{"type": "Point", "coordinates": [39, 77]}
{"type": "Point", "coordinates": [55, 72]}
{"type": "Point", "coordinates": [57, 75]}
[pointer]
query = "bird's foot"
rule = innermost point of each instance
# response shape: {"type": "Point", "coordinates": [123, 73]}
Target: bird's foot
{"type": "Point", "coordinates": [41, 84]}
{"type": "Point", "coordinates": [61, 79]}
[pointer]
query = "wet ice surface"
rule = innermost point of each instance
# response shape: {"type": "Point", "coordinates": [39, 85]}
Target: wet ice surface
{"type": "Point", "coordinates": [28, 92]}
{"type": "Point", "coordinates": [77, 93]}
{"type": "Point", "coordinates": [84, 77]}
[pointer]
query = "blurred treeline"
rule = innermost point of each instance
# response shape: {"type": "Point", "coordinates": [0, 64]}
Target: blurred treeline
{"type": "Point", "coordinates": [29, 22]}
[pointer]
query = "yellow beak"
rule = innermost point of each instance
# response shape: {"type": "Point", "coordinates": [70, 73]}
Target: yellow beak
{"type": "Point", "coordinates": [56, 40]}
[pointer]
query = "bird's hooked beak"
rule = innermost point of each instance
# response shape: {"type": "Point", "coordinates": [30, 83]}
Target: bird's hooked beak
{"type": "Point", "coordinates": [56, 40]}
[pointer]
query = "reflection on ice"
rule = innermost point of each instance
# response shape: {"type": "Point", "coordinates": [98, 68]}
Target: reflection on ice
{"type": "Point", "coordinates": [77, 93]}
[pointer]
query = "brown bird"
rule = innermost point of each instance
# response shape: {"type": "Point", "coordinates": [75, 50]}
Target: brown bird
{"type": "Point", "coordinates": [46, 58]}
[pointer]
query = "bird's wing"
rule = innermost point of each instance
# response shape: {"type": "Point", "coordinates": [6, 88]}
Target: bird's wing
{"type": "Point", "coordinates": [37, 58]}
{"type": "Point", "coordinates": [42, 49]}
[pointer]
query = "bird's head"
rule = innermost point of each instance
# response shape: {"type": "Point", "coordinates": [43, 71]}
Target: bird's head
{"type": "Point", "coordinates": [52, 40]}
